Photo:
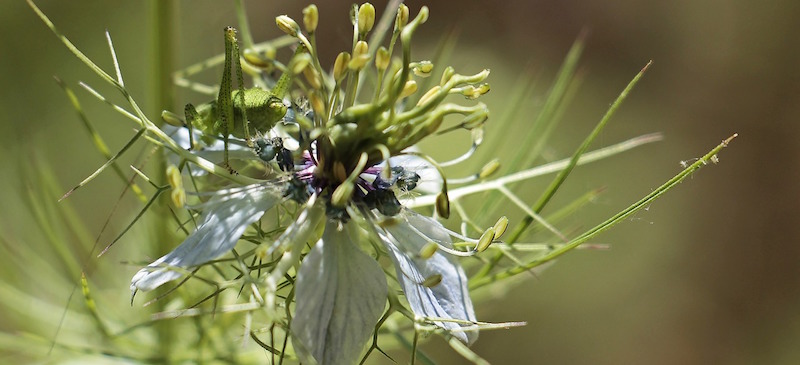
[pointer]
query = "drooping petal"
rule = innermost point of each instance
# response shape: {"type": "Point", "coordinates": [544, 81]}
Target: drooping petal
{"type": "Point", "coordinates": [340, 293]}
{"type": "Point", "coordinates": [450, 298]}
{"type": "Point", "coordinates": [226, 217]}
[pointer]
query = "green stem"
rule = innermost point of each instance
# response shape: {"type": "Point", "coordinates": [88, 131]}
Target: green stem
{"type": "Point", "coordinates": [244, 26]}
{"type": "Point", "coordinates": [711, 156]}
{"type": "Point", "coordinates": [162, 45]}
{"type": "Point", "coordinates": [562, 175]}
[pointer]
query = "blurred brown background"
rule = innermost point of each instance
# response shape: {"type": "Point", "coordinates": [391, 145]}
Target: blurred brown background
{"type": "Point", "coordinates": [708, 274]}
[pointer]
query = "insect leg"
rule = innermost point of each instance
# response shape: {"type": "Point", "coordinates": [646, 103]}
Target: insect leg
{"type": "Point", "coordinates": [240, 80]}
{"type": "Point", "coordinates": [224, 102]}
{"type": "Point", "coordinates": [192, 118]}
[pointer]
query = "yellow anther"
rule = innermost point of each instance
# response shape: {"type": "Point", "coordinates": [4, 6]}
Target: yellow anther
{"type": "Point", "coordinates": [486, 239]}
{"type": "Point", "coordinates": [310, 18]}
{"type": "Point", "coordinates": [432, 281]}
{"type": "Point", "coordinates": [366, 18]}
{"type": "Point", "coordinates": [489, 169]}
{"type": "Point", "coordinates": [428, 250]}
{"type": "Point", "coordinates": [340, 66]}
{"type": "Point", "coordinates": [500, 227]}
{"type": "Point", "coordinates": [410, 88]}
{"type": "Point", "coordinates": [287, 25]}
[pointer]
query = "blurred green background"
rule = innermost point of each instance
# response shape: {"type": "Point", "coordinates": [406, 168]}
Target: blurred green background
{"type": "Point", "coordinates": [708, 274]}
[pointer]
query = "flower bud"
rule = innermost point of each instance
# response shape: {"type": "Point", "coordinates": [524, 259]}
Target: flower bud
{"type": "Point", "coordinates": [366, 18]}
{"type": "Point", "coordinates": [287, 25]}
{"type": "Point", "coordinates": [402, 17]}
{"type": "Point", "coordinates": [410, 88]}
{"type": "Point", "coordinates": [312, 76]}
{"type": "Point", "coordinates": [447, 75]}
{"type": "Point", "coordinates": [340, 66]}
{"type": "Point", "coordinates": [317, 104]}
{"type": "Point", "coordinates": [361, 49]}
{"type": "Point", "coordinates": [255, 59]}
{"type": "Point", "coordinates": [360, 56]}
{"type": "Point", "coordinates": [310, 18]}
{"type": "Point", "coordinates": [486, 240]}
{"type": "Point", "coordinates": [382, 59]}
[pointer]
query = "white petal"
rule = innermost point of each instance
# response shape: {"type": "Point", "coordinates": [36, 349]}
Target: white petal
{"type": "Point", "coordinates": [226, 217]}
{"type": "Point", "coordinates": [450, 298]}
{"type": "Point", "coordinates": [341, 294]}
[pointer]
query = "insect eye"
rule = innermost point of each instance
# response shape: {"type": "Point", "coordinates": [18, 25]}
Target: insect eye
{"type": "Point", "coordinates": [276, 103]}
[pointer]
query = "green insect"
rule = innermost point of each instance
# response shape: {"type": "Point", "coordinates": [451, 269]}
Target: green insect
{"type": "Point", "coordinates": [234, 112]}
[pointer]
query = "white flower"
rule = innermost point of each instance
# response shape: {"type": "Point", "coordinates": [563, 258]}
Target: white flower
{"type": "Point", "coordinates": [353, 160]}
